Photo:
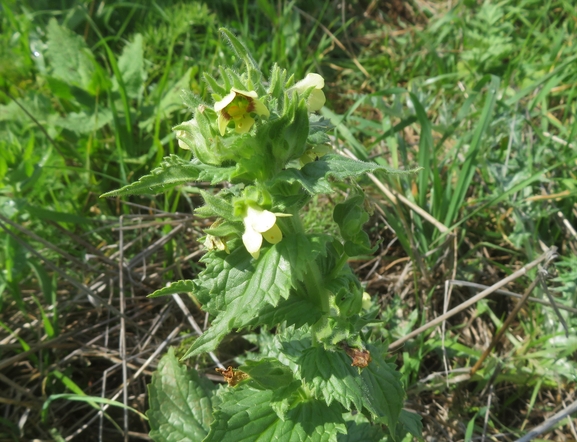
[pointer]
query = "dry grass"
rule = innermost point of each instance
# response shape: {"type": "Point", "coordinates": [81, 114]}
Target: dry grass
{"type": "Point", "coordinates": [111, 335]}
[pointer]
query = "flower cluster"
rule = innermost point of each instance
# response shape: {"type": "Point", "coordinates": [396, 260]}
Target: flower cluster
{"type": "Point", "coordinates": [239, 107]}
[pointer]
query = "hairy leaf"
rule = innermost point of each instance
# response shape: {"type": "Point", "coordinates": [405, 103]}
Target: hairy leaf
{"type": "Point", "coordinates": [318, 127]}
{"type": "Point", "coordinates": [314, 176]}
{"type": "Point", "coordinates": [359, 429]}
{"type": "Point", "coordinates": [215, 205]}
{"type": "Point", "coordinates": [172, 172]}
{"type": "Point", "coordinates": [295, 310]}
{"type": "Point", "coordinates": [181, 402]}
{"type": "Point", "coordinates": [268, 373]}
{"type": "Point", "coordinates": [301, 250]}
{"type": "Point", "coordinates": [331, 376]}
{"type": "Point", "coordinates": [246, 416]}
{"type": "Point", "coordinates": [237, 287]}
{"type": "Point", "coordinates": [410, 422]}
{"type": "Point", "coordinates": [383, 389]}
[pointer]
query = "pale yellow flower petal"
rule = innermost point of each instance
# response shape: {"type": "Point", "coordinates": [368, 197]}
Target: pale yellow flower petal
{"type": "Point", "coordinates": [220, 105]}
{"type": "Point", "coordinates": [243, 124]}
{"type": "Point", "coordinates": [259, 220]}
{"type": "Point", "coordinates": [222, 123]}
{"type": "Point", "coordinates": [311, 80]}
{"type": "Point", "coordinates": [260, 109]}
{"type": "Point", "coordinates": [251, 94]}
{"type": "Point", "coordinates": [316, 100]}
{"type": "Point", "coordinates": [273, 235]}
{"type": "Point", "coordinates": [252, 241]}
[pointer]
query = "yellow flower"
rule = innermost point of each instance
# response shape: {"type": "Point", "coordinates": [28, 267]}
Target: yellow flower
{"type": "Point", "coordinates": [259, 224]}
{"type": "Point", "coordinates": [237, 106]}
{"type": "Point", "coordinates": [317, 98]}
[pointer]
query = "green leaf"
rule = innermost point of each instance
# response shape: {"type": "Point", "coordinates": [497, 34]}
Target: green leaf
{"type": "Point", "coordinates": [318, 127]}
{"type": "Point", "coordinates": [314, 176]}
{"type": "Point", "coordinates": [70, 58]}
{"type": "Point", "coordinates": [350, 217]}
{"type": "Point", "coordinates": [246, 416]}
{"type": "Point", "coordinates": [470, 165]}
{"type": "Point", "coordinates": [268, 373]}
{"type": "Point", "coordinates": [301, 250]}
{"type": "Point", "coordinates": [225, 228]}
{"type": "Point", "coordinates": [411, 423]}
{"type": "Point", "coordinates": [295, 310]}
{"type": "Point", "coordinates": [181, 402]}
{"type": "Point", "coordinates": [383, 389]}
{"type": "Point", "coordinates": [85, 122]}
{"type": "Point", "coordinates": [214, 206]}
{"type": "Point", "coordinates": [44, 281]}
{"type": "Point", "coordinates": [240, 49]}
{"type": "Point", "coordinates": [331, 376]}
{"type": "Point", "coordinates": [131, 67]}
{"type": "Point", "coordinates": [172, 171]}
{"type": "Point", "coordinates": [182, 286]}
{"type": "Point", "coordinates": [240, 277]}
{"type": "Point", "coordinates": [241, 286]}
{"type": "Point", "coordinates": [359, 429]}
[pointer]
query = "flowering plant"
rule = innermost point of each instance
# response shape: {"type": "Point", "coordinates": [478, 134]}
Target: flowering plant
{"type": "Point", "coordinates": [321, 376]}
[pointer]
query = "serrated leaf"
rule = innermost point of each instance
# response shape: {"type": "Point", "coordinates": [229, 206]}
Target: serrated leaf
{"type": "Point", "coordinates": [295, 310]}
{"type": "Point", "coordinates": [301, 250]}
{"type": "Point", "coordinates": [268, 373]}
{"type": "Point", "coordinates": [292, 342]}
{"type": "Point", "coordinates": [182, 286]}
{"type": "Point", "coordinates": [218, 329]}
{"type": "Point", "coordinates": [180, 403]}
{"type": "Point", "coordinates": [318, 127]}
{"type": "Point", "coordinates": [359, 429]}
{"type": "Point", "coordinates": [314, 176]}
{"type": "Point", "coordinates": [172, 172]}
{"type": "Point", "coordinates": [225, 228]}
{"type": "Point", "coordinates": [236, 288]}
{"type": "Point", "coordinates": [246, 416]}
{"type": "Point", "coordinates": [411, 423]}
{"type": "Point", "coordinates": [214, 206]}
{"type": "Point", "coordinates": [239, 276]}
{"type": "Point", "coordinates": [331, 377]}
{"type": "Point", "coordinates": [383, 391]}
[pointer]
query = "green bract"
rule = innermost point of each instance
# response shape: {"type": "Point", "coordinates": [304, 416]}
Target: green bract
{"type": "Point", "coordinates": [265, 269]}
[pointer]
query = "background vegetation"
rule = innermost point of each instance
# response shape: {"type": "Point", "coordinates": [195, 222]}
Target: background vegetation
{"type": "Point", "coordinates": [480, 94]}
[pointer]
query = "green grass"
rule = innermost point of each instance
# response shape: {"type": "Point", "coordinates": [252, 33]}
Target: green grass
{"type": "Point", "coordinates": [481, 96]}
